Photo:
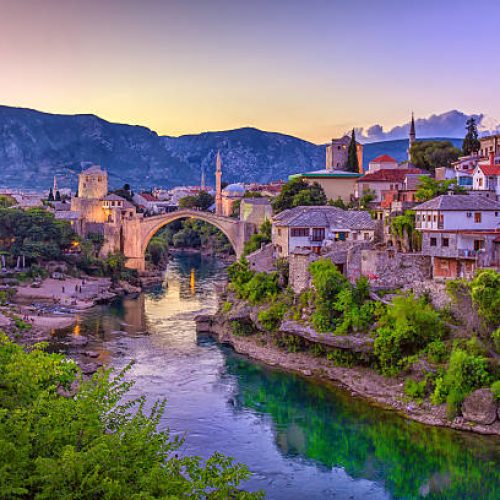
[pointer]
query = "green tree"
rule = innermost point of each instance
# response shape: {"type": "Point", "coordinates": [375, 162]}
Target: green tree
{"type": "Point", "coordinates": [256, 241]}
{"type": "Point", "coordinates": [297, 192]}
{"type": "Point", "coordinates": [7, 201]}
{"type": "Point", "coordinates": [485, 293]}
{"type": "Point", "coordinates": [58, 196]}
{"type": "Point", "coordinates": [201, 201]}
{"type": "Point", "coordinates": [98, 444]}
{"type": "Point", "coordinates": [471, 142]}
{"type": "Point", "coordinates": [157, 250]}
{"type": "Point", "coordinates": [352, 155]}
{"type": "Point", "coordinates": [428, 188]}
{"type": "Point", "coordinates": [428, 155]}
{"type": "Point", "coordinates": [51, 195]}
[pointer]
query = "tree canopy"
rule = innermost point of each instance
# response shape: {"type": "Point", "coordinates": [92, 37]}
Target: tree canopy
{"type": "Point", "coordinates": [98, 443]}
{"type": "Point", "coordinates": [471, 142]}
{"type": "Point", "coordinates": [297, 192]}
{"type": "Point", "coordinates": [429, 155]}
{"type": "Point", "coordinates": [429, 188]}
{"type": "Point", "coordinates": [201, 201]}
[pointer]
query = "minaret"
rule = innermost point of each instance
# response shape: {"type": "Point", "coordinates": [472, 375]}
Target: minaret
{"type": "Point", "coordinates": [54, 189]}
{"type": "Point", "coordinates": [412, 136]}
{"type": "Point", "coordinates": [202, 185]}
{"type": "Point", "coordinates": [218, 185]}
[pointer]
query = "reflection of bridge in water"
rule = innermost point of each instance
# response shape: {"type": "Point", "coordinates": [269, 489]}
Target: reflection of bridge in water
{"type": "Point", "coordinates": [137, 232]}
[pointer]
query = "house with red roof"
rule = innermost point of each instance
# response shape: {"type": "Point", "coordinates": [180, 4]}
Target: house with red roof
{"type": "Point", "coordinates": [486, 177]}
{"type": "Point", "coordinates": [383, 162]}
{"type": "Point", "coordinates": [385, 181]}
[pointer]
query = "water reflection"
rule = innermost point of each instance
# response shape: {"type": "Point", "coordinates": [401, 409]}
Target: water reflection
{"type": "Point", "coordinates": [300, 439]}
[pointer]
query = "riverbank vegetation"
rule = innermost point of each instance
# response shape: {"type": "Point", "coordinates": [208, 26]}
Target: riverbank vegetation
{"type": "Point", "coordinates": [438, 357]}
{"type": "Point", "coordinates": [65, 437]}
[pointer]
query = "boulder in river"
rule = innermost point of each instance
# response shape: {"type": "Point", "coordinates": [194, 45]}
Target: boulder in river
{"type": "Point", "coordinates": [480, 407]}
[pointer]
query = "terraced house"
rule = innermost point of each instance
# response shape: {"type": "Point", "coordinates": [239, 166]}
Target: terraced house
{"type": "Point", "coordinates": [460, 233]}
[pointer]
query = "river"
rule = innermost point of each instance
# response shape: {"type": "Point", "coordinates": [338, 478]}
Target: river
{"type": "Point", "coordinates": [301, 439]}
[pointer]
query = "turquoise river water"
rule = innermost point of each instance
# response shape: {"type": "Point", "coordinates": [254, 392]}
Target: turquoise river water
{"type": "Point", "coordinates": [301, 439]}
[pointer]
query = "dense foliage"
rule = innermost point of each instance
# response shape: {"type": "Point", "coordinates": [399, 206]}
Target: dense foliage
{"type": "Point", "coordinates": [201, 201]}
{"type": "Point", "coordinates": [34, 233]}
{"type": "Point", "coordinates": [466, 372]}
{"type": "Point", "coordinates": [298, 192]}
{"type": "Point", "coordinates": [430, 155]}
{"type": "Point", "coordinates": [96, 444]}
{"type": "Point", "coordinates": [429, 188]}
{"type": "Point", "coordinates": [256, 240]}
{"type": "Point", "coordinates": [252, 286]}
{"type": "Point", "coordinates": [405, 328]}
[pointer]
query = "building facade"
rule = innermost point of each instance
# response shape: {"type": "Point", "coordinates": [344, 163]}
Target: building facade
{"type": "Point", "coordinates": [460, 233]}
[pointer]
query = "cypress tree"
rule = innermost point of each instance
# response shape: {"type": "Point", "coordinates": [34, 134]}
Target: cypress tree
{"type": "Point", "coordinates": [51, 195]}
{"type": "Point", "coordinates": [58, 196]}
{"type": "Point", "coordinates": [471, 142]}
{"type": "Point", "coordinates": [352, 155]}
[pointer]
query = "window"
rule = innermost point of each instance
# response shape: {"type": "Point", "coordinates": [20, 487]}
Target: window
{"type": "Point", "coordinates": [477, 217]}
{"type": "Point", "coordinates": [279, 231]}
{"type": "Point", "coordinates": [300, 232]}
{"type": "Point", "coordinates": [354, 236]}
{"type": "Point", "coordinates": [318, 233]}
{"type": "Point", "coordinates": [478, 245]}
{"type": "Point", "coordinates": [469, 214]}
{"type": "Point", "coordinates": [434, 218]}
{"type": "Point", "coordinates": [433, 242]}
{"type": "Point", "coordinates": [445, 242]}
{"type": "Point", "coordinates": [496, 214]}
{"type": "Point", "coordinates": [367, 236]}
{"type": "Point", "coordinates": [480, 182]}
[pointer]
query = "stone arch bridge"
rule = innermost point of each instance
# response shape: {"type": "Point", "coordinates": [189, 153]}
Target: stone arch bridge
{"type": "Point", "coordinates": [138, 231]}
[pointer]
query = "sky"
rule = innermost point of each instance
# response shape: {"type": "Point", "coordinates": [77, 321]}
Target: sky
{"type": "Point", "coordinates": [310, 68]}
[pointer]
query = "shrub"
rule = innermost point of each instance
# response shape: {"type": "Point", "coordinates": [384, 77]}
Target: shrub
{"type": "Point", "coordinates": [292, 343]}
{"type": "Point", "coordinates": [342, 357]}
{"type": "Point", "coordinates": [495, 389]}
{"type": "Point", "coordinates": [226, 307]}
{"type": "Point", "coordinates": [465, 373]}
{"type": "Point", "coordinates": [271, 318]}
{"type": "Point", "coordinates": [328, 281]}
{"type": "Point", "coordinates": [495, 337]}
{"type": "Point", "coordinates": [414, 389]}
{"type": "Point", "coordinates": [21, 324]}
{"type": "Point", "coordinates": [242, 328]}
{"type": "Point", "coordinates": [485, 293]}
{"type": "Point", "coordinates": [261, 287]}
{"type": "Point", "coordinates": [406, 326]}
{"type": "Point", "coordinates": [437, 351]}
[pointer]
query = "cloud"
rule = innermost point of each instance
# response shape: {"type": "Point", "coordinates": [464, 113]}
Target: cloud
{"type": "Point", "coordinates": [449, 124]}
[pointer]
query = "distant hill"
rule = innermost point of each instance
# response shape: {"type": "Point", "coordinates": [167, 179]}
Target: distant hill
{"type": "Point", "coordinates": [35, 146]}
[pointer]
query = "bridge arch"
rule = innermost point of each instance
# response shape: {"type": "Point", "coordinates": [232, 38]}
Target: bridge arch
{"type": "Point", "coordinates": [140, 232]}
{"type": "Point", "coordinates": [156, 222]}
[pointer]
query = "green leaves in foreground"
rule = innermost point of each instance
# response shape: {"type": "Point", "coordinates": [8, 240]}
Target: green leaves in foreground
{"type": "Point", "coordinates": [96, 444]}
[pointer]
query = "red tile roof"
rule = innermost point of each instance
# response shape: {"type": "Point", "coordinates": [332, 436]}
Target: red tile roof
{"type": "Point", "coordinates": [384, 159]}
{"type": "Point", "coordinates": [149, 197]}
{"type": "Point", "coordinates": [389, 175]}
{"type": "Point", "coordinates": [490, 169]}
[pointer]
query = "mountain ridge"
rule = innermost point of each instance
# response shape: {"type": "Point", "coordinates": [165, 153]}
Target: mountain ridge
{"type": "Point", "coordinates": [35, 146]}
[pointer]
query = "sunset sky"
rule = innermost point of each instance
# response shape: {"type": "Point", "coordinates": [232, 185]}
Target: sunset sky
{"type": "Point", "coordinates": [311, 68]}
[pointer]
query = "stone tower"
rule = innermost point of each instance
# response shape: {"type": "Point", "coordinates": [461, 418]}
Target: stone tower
{"type": "Point", "coordinates": [337, 153]}
{"type": "Point", "coordinates": [218, 184]}
{"type": "Point", "coordinates": [93, 183]}
{"type": "Point", "coordinates": [412, 136]}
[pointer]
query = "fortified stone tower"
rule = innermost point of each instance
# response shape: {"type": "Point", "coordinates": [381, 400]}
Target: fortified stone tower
{"type": "Point", "coordinates": [337, 153]}
{"type": "Point", "coordinates": [93, 183]}
{"type": "Point", "coordinates": [92, 188]}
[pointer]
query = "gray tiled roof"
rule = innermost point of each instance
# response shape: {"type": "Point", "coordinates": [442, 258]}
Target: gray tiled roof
{"type": "Point", "coordinates": [324, 217]}
{"type": "Point", "coordinates": [459, 202]}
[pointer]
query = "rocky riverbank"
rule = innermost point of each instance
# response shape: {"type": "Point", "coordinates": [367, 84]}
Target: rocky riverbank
{"type": "Point", "coordinates": [480, 411]}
